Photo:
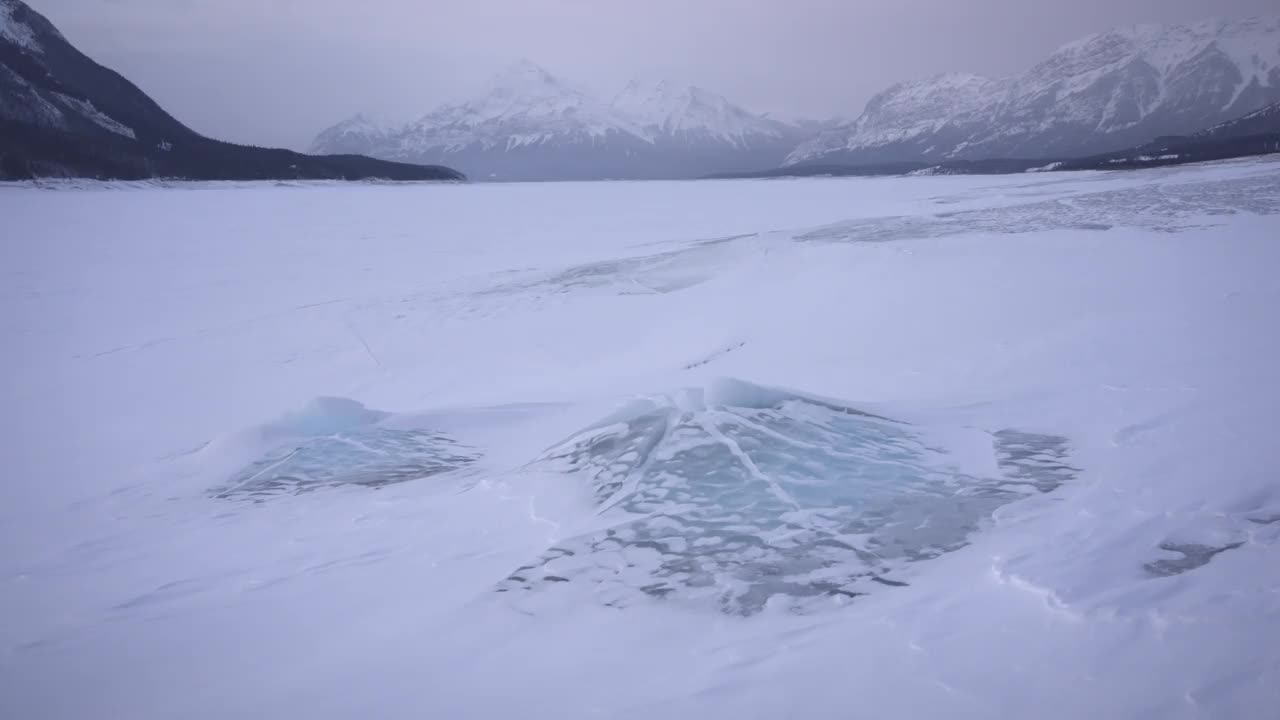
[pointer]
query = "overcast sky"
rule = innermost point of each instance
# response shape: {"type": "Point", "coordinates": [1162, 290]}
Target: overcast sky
{"type": "Point", "coordinates": [275, 72]}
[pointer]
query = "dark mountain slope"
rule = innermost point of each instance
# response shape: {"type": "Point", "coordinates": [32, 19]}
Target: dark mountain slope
{"type": "Point", "coordinates": [1263, 121]}
{"type": "Point", "coordinates": [1257, 133]}
{"type": "Point", "coordinates": [64, 115]}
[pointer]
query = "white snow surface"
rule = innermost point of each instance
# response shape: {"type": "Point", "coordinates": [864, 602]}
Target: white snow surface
{"type": "Point", "coordinates": [952, 447]}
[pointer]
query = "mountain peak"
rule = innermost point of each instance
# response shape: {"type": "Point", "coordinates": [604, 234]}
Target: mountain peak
{"type": "Point", "coordinates": [353, 135]}
{"type": "Point", "coordinates": [1103, 92]}
{"type": "Point", "coordinates": [663, 107]}
{"type": "Point", "coordinates": [530, 124]}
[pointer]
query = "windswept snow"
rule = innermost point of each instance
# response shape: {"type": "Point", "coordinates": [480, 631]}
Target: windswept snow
{"type": "Point", "coordinates": [955, 446]}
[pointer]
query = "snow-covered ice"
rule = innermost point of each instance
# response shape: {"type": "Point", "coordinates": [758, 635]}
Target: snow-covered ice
{"type": "Point", "coordinates": [911, 447]}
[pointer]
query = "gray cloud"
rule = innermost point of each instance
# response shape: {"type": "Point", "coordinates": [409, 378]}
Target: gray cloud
{"type": "Point", "coordinates": [274, 72]}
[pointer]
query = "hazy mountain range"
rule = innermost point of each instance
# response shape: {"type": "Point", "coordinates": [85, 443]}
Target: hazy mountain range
{"type": "Point", "coordinates": [529, 124]}
{"type": "Point", "coordinates": [62, 114]}
{"type": "Point", "coordinates": [1103, 93]}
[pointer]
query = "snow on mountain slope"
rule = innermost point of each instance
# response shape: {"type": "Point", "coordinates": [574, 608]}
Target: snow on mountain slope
{"type": "Point", "coordinates": [357, 134]}
{"type": "Point", "coordinates": [528, 124]}
{"type": "Point", "coordinates": [1103, 92]}
{"type": "Point", "coordinates": [669, 112]}
{"type": "Point", "coordinates": [919, 110]}
{"type": "Point", "coordinates": [14, 30]}
{"type": "Point", "coordinates": [26, 104]}
{"type": "Point", "coordinates": [1259, 122]}
{"type": "Point", "coordinates": [47, 85]}
{"type": "Point", "coordinates": [940, 447]}
{"type": "Point", "coordinates": [97, 117]}
{"type": "Point", "coordinates": [525, 105]}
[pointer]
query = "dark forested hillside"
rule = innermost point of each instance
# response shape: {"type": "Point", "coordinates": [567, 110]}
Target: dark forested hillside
{"type": "Point", "coordinates": [64, 115]}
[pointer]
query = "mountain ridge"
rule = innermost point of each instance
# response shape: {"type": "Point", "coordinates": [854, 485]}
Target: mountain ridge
{"type": "Point", "coordinates": [1102, 92]}
{"type": "Point", "coordinates": [530, 125]}
{"type": "Point", "coordinates": [1257, 133]}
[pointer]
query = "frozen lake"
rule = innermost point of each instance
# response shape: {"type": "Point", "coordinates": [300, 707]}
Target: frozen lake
{"type": "Point", "coordinates": [902, 447]}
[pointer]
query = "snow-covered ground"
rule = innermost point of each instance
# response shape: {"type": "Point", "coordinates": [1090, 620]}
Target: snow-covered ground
{"type": "Point", "coordinates": [950, 447]}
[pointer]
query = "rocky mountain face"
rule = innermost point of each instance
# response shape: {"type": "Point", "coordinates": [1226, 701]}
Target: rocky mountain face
{"type": "Point", "coordinates": [530, 125]}
{"type": "Point", "coordinates": [1105, 92]}
{"type": "Point", "coordinates": [62, 114]}
{"type": "Point", "coordinates": [1256, 133]}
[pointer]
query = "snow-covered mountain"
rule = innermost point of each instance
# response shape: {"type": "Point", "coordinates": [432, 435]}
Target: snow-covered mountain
{"type": "Point", "coordinates": [691, 115]}
{"type": "Point", "coordinates": [1101, 93]}
{"type": "Point", "coordinates": [524, 106]}
{"type": "Point", "coordinates": [528, 124]}
{"type": "Point", "coordinates": [355, 134]}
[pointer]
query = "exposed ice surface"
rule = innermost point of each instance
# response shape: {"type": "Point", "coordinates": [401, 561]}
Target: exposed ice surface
{"type": "Point", "coordinates": [1026, 420]}
{"type": "Point", "coordinates": [741, 496]}
{"type": "Point", "coordinates": [336, 441]}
